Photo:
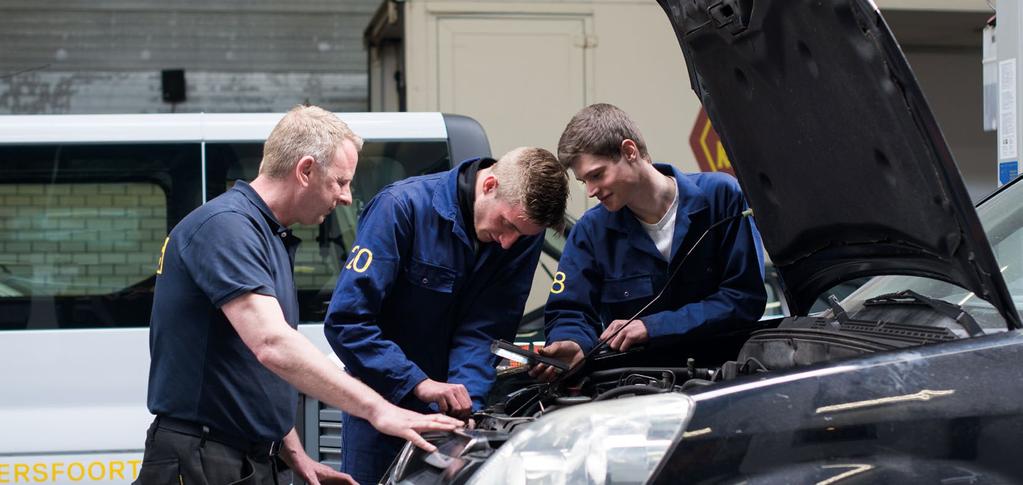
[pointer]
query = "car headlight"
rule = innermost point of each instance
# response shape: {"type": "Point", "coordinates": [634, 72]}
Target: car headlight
{"type": "Point", "coordinates": [616, 441]}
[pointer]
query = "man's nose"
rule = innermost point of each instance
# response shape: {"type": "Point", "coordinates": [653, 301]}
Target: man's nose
{"type": "Point", "coordinates": [507, 240]}
{"type": "Point", "coordinates": [346, 198]}
{"type": "Point", "coordinates": [591, 189]}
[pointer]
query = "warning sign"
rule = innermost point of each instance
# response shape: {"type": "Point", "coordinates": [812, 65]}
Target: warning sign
{"type": "Point", "coordinates": [710, 153]}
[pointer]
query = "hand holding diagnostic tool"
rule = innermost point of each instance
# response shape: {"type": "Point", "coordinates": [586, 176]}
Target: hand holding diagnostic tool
{"type": "Point", "coordinates": [513, 353]}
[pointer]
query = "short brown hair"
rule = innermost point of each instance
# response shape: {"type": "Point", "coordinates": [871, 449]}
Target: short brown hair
{"type": "Point", "coordinates": [534, 179]}
{"type": "Point", "coordinates": [304, 130]}
{"type": "Point", "coordinates": [599, 130]}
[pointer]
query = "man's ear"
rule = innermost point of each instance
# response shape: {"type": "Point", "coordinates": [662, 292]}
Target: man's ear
{"type": "Point", "coordinates": [489, 184]}
{"type": "Point", "coordinates": [629, 150]}
{"type": "Point", "coordinates": [304, 169]}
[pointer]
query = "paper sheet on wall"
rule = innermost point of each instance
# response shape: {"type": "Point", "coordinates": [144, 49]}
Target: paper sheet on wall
{"type": "Point", "coordinates": [1007, 148]}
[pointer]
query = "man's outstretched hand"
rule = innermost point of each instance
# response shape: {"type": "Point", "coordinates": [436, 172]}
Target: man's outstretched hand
{"type": "Point", "coordinates": [395, 421]}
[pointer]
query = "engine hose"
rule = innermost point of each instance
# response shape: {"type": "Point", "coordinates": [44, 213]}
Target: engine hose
{"type": "Point", "coordinates": [572, 400]}
{"type": "Point", "coordinates": [637, 389]}
{"type": "Point", "coordinates": [695, 383]}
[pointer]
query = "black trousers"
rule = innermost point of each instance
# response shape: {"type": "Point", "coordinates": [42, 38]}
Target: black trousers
{"type": "Point", "coordinates": [182, 459]}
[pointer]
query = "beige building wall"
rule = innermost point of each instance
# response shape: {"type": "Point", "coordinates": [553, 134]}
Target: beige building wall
{"type": "Point", "coordinates": [508, 65]}
{"type": "Point", "coordinates": [936, 5]}
{"type": "Point", "coordinates": [522, 68]}
{"type": "Point", "coordinates": [623, 52]}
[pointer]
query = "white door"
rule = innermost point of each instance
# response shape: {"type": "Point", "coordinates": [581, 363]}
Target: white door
{"type": "Point", "coordinates": [495, 69]}
{"type": "Point", "coordinates": [522, 77]}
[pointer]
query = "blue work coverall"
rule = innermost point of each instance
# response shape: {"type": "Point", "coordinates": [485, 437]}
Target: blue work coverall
{"type": "Point", "coordinates": [416, 300]}
{"type": "Point", "coordinates": [610, 268]}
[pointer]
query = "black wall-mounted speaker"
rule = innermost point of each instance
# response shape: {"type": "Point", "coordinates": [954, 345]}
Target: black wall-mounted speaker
{"type": "Point", "coordinates": [172, 82]}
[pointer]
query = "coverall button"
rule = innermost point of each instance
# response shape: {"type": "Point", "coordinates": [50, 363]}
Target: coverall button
{"type": "Point", "coordinates": [425, 281]}
{"type": "Point", "coordinates": [626, 293]}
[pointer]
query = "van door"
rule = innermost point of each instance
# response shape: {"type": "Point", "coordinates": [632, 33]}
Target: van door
{"type": "Point", "coordinates": [83, 226]}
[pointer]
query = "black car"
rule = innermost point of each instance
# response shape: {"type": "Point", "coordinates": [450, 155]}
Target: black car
{"type": "Point", "coordinates": [911, 379]}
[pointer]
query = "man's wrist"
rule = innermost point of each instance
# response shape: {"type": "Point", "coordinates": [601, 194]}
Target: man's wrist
{"type": "Point", "coordinates": [576, 336]}
{"type": "Point", "coordinates": [376, 409]}
{"type": "Point", "coordinates": [415, 388]}
{"type": "Point", "coordinates": [291, 450]}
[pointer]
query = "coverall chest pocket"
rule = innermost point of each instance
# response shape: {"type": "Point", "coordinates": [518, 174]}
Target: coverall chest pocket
{"type": "Point", "coordinates": [627, 289]}
{"type": "Point", "coordinates": [699, 266]}
{"type": "Point", "coordinates": [431, 276]}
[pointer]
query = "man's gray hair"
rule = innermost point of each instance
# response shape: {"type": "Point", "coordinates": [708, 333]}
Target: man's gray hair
{"type": "Point", "coordinates": [304, 130]}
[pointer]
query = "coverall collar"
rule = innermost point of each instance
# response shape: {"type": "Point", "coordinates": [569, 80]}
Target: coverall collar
{"type": "Point", "coordinates": [445, 202]}
{"type": "Point", "coordinates": [690, 201]}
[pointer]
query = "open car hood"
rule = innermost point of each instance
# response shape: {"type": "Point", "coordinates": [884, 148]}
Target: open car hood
{"type": "Point", "coordinates": [834, 145]}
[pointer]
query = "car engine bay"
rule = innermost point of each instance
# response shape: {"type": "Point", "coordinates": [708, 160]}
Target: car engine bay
{"type": "Point", "coordinates": [518, 400]}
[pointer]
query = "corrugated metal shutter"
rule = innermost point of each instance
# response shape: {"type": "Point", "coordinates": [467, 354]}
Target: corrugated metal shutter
{"type": "Point", "coordinates": [238, 56]}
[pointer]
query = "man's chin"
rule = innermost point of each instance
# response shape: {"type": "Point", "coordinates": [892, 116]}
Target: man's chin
{"type": "Point", "coordinates": [610, 204]}
{"type": "Point", "coordinates": [315, 221]}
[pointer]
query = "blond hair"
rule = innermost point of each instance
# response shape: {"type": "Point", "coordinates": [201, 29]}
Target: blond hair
{"type": "Point", "coordinates": [534, 179]}
{"type": "Point", "coordinates": [304, 130]}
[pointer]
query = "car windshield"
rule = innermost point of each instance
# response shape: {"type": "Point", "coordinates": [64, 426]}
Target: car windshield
{"type": "Point", "coordinates": [1002, 218]}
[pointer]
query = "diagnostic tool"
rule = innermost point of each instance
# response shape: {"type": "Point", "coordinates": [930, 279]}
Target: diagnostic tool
{"type": "Point", "coordinates": [514, 353]}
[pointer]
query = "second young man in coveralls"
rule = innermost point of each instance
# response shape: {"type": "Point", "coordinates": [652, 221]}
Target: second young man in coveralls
{"type": "Point", "coordinates": [442, 264]}
{"type": "Point", "coordinates": [619, 255]}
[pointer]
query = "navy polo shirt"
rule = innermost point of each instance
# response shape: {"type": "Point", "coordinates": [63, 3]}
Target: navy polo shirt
{"type": "Point", "coordinates": [201, 370]}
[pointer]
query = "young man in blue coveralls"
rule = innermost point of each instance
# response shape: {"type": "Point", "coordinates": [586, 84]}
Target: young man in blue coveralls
{"type": "Point", "coordinates": [620, 253]}
{"type": "Point", "coordinates": [226, 355]}
{"type": "Point", "coordinates": [441, 265]}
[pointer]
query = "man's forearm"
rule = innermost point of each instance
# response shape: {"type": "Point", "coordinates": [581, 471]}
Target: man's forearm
{"type": "Point", "coordinates": [300, 363]}
{"type": "Point", "coordinates": [295, 359]}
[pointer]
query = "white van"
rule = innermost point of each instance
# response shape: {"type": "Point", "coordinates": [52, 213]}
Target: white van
{"type": "Point", "coordinates": [85, 204]}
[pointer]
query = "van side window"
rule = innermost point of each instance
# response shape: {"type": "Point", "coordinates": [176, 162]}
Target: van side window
{"type": "Point", "coordinates": [326, 247]}
{"type": "Point", "coordinates": [82, 230]}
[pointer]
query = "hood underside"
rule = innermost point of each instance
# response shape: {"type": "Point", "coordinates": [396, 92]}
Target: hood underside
{"type": "Point", "coordinates": [834, 145]}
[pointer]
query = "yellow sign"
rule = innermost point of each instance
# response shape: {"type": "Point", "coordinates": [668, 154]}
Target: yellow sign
{"type": "Point", "coordinates": [707, 146]}
{"type": "Point", "coordinates": [70, 469]}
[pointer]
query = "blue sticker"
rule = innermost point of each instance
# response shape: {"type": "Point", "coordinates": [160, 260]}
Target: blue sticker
{"type": "Point", "coordinates": [1007, 171]}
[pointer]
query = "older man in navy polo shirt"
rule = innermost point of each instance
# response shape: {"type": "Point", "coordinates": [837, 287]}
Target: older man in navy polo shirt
{"type": "Point", "coordinates": [226, 356]}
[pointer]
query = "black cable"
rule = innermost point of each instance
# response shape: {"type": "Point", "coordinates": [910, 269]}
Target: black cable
{"type": "Point", "coordinates": [745, 365]}
{"type": "Point", "coordinates": [24, 71]}
{"type": "Point", "coordinates": [632, 378]}
{"type": "Point", "coordinates": [636, 389]}
{"type": "Point", "coordinates": [529, 402]}
{"type": "Point", "coordinates": [586, 358]}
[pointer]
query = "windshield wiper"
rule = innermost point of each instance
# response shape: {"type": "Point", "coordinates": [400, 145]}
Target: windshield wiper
{"type": "Point", "coordinates": [910, 297]}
